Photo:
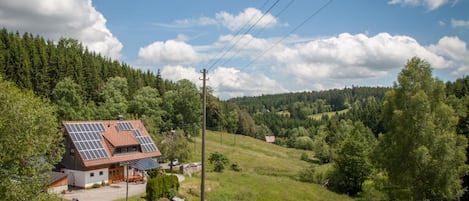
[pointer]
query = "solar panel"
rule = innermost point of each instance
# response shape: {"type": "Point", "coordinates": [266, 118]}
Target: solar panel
{"type": "Point", "coordinates": [87, 139]}
{"type": "Point", "coordinates": [125, 126]}
{"type": "Point", "coordinates": [146, 144]}
{"type": "Point", "coordinates": [136, 133]}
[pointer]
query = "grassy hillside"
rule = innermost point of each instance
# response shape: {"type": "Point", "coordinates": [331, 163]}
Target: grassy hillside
{"type": "Point", "coordinates": [330, 114]}
{"type": "Point", "coordinates": [269, 172]}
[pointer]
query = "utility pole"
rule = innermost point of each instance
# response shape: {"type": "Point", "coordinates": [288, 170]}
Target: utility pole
{"type": "Point", "coordinates": [204, 125]}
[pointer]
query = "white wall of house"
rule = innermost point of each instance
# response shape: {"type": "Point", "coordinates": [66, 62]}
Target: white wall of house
{"type": "Point", "coordinates": [86, 179]}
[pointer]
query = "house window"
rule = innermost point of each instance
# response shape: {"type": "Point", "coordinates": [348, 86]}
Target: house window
{"type": "Point", "coordinates": [101, 173]}
{"type": "Point", "coordinates": [92, 174]}
{"type": "Point", "coordinates": [72, 152]}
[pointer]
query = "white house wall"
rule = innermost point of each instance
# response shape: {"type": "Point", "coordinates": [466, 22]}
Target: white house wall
{"type": "Point", "coordinates": [84, 179]}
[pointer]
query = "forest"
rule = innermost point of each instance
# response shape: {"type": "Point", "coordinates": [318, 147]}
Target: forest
{"type": "Point", "coordinates": [364, 132]}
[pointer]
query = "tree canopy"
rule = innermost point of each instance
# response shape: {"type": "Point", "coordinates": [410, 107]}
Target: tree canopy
{"type": "Point", "coordinates": [420, 151]}
{"type": "Point", "coordinates": [30, 143]}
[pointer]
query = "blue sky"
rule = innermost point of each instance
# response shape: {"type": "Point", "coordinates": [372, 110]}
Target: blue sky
{"type": "Point", "coordinates": [361, 43]}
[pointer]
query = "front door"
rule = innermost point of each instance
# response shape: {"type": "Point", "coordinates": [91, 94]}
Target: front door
{"type": "Point", "coordinates": [116, 174]}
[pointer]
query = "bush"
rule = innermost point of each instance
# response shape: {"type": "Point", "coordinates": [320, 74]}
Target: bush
{"type": "Point", "coordinates": [155, 172]}
{"type": "Point", "coordinates": [304, 157]}
{"type": "Point", "coordinates": [96, 185]}
{"type": "Point", "coordinates": [165, 186]}
{"type": "Point", "coordinates": [236, 167]}
{"type": "Point", "coordinates": [316, 174]}
{"type": "Point", "coordinates": [218, 160]}
{"type": "Point", "coordinates": [307, 174]}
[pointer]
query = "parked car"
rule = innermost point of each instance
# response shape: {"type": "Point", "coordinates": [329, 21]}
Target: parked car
{"type": "Point", "coordinates": [175, 162]}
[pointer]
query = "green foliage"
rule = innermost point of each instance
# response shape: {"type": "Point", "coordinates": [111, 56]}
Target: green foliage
{"type": "Point", "coordinates": [146, 104]}
{"type": "Point", "coordinates": [165, 186]}
{"type": "Point", "coordinates": [67, 95]}
{"type": "Point", "coordinates": [374, 188]}
{"type": "Point", "coordinates": [218, 160]}
{"type": "Point", "coordinates": [304, 142]}
{"type": "Point", "coordinates": [236, 167]}
{"type": "Point", "coordinates": [316, 174]}
{"type": "Point", "coordinates": [307, 174]}
{"type": "Point", "coordinates": [175, 146]}
{"type": "Point", "coordinates": [152, 173]}
{"type": "Point", "coordinates": [114, 95]}
{"type": "Point", "coordinates": [420, 151]}
{"type": "Point", "coordinates": [183, 108]}
{"type": "Point", "coordinates": [30, 143]}
{"type": "Point", "coordinates": [353, 164]}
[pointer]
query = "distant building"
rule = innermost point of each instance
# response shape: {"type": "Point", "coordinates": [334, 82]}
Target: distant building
{"type": "Point", "coordinates": [99, 152]}
{"type": "Point", "coordinates": [270, 139]}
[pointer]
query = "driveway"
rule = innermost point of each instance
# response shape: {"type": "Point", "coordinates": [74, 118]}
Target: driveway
{"type": "Point", "coordinates": [105, 193]}
{"type": "Point", "coordinates": [108, 193]}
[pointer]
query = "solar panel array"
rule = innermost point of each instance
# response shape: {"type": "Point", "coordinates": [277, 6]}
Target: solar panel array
{"type": "Point", "coordinates": [125, 126]}
{"type": "Point", "coordinates": [146, 144]}
{"type": "Point", "coordinates": [87, 139]}
{"type": "Point", "coordinates": [144, 141]}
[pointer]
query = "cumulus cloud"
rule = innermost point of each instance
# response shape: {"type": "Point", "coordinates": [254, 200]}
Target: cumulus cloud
{"type": "Point", "coordinates": [350, 56]}
{"type": "Point", "coordinates": [455, 50]}
{"type": "Point", "coordinates": [249, 17]}
{"type": "Point", "coordinates": [429, 4]}
{"type": "Point", "coordinates": [231, 82]}
{"type": "Point", "coordinates": [459, 23]}
{"type": "Point", "coordinates": [179, 72]}
{"type": "Point", "coordinates": [54, 19]}
{"type": "Point", "coordinates": [170, 52]}
{"type": "Point", "coordinates": [226, 82]}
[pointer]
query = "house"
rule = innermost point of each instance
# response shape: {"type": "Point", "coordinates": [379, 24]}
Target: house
{"type": "Point", "coordinates": [58, 183]}
{"type": "Point", "coordinates": [106, 152]}
{"type": "Point", "coordinates": [270, 139]}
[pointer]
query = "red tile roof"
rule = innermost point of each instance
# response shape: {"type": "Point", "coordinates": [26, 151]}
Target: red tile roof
{"type": "Point", "coordinates": [113, 137]}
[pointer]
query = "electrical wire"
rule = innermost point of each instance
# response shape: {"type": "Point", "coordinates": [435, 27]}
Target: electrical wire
{"type": "Point", "coordinates": [239, 38]}
{"type": "Point", "coordinates": [288, 34]}
{"type": "Point", "coordinates": [257, 33]}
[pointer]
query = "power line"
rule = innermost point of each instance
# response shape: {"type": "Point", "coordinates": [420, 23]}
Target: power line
{"type": "Point", "coordinates": [258, 32]}
{"type": "Point", "coordinates": [237, 33]}
{"type": "Point", "coordinates": [239, 38]}
{"type": "Point", "coordinates": [288, 34]}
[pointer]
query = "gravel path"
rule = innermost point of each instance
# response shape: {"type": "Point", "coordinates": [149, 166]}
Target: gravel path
{"type": "Point", "coordinates": [109, 193]}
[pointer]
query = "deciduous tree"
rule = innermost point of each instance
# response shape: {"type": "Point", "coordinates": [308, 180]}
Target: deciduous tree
{"type": "Point", "coordinates": [420, 151]}
{"type": "Point", "coordinates": [30, 144]}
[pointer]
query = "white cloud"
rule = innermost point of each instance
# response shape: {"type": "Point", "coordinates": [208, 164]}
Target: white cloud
{"type": "Point", "coordinates": [456, 51]}
{"type": "Point", "coordinates": [226, 82]}
{"type": "Point", "coordinates": [429, 4]}
{"type": "Point", "coordinates": [202, 21]}
{"type": "Point", "coordinates": [54, 19]}
{"type": "Point", "coordinates": [179, 72]}
{"type": "Point", "coordinates": [249, 17]}
{"type": "Point", "coordinates": [349, 57]}
{"type": "Point", "coordinates": [170, 52]}
{"type": "Point", "coordinates": [231, 82]}
{"type": "Point", "coordinates": [459, 23]}
{"type": "Point", "coordinates": [321, 63]}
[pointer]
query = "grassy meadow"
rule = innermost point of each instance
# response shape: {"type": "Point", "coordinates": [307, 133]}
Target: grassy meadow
{"type": "Point", "coordinates": [268, 172]}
